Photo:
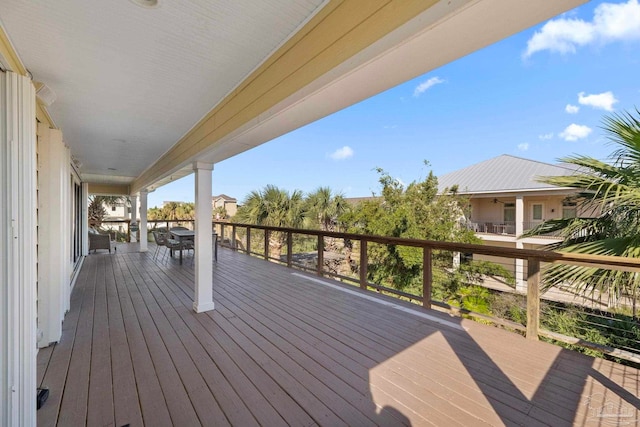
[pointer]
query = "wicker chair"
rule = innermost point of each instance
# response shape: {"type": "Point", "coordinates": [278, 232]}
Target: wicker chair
{"type": "Point", "coordinates": [99, 240]}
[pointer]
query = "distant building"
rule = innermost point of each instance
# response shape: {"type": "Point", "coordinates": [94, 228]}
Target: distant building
{"type": "Point", "coordinates": [229, 204]}
{"type": "Point", "coordinates": [506, 200]}
{"type": "Point", "coordinates": [355, 200]}
{"type": "Point", "coordinates": [116, 211]}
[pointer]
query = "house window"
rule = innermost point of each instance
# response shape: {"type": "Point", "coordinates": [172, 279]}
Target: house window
{"type": "Point", "coordinates": [536, 212]}
{"type": "Point", "coordinates": [113, 208]}
{"type": "Point", "coordinates": [509, 212]}
{"type": "Point", "coordinates": [569, 210]}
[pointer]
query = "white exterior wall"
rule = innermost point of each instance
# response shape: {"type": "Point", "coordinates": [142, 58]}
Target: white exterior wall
{"type": "Point", "coordinates": [121, 211]}
{"type": "Point", "coordinates": [18, 242]}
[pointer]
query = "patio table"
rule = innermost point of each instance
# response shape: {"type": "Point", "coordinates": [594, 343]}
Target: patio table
{"type": "Point", "coordinates": [182, 235]}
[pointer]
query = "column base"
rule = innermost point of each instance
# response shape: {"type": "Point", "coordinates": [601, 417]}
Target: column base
{"type": "Point", "coordinates": [201, 308]}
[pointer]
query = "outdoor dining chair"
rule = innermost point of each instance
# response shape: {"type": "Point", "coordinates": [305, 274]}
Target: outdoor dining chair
{"type": "Point", "coordinates": [161, 240]}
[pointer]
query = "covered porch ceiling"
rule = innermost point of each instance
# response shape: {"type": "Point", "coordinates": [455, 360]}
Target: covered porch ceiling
{"type": "Point", "coordinates": [142, 93]}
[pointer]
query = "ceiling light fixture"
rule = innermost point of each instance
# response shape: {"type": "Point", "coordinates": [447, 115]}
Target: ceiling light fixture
{"type": "Point", "coordinates": [148, 4]}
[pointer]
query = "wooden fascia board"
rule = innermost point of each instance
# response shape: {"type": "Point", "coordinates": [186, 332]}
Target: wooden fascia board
{"type": "Point", "coordinates": [10, 55]}
{"type": "Point", "coordinates": [342, 29]}
{"type": "Point", "coordinates": [13, 61]}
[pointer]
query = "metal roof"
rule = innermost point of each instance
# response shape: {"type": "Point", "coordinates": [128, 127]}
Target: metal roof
{"type": "Point", "coordinates": [504, 173]}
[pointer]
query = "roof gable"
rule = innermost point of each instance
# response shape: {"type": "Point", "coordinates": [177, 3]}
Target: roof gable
{"type": "Point", "coordinates": [224, 197]}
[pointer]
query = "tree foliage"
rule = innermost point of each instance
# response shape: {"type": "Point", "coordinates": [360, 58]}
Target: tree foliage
{"type": "Point", "coordinates": [173, 211]}
{"type": "Point", "coordinates": [274, 207]}
{"type": "Point", "coordinates": [96, 210]}
{"type": "Point", "coordinates": [323, 209]}
{"type": "Point", "coordinates": [611, 188]}
{"type": "Point", "coordinates": [411, 211]}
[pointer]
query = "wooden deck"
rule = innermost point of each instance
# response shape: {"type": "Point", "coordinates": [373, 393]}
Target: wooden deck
{"type": "Point", "coordinates": [284, 349]}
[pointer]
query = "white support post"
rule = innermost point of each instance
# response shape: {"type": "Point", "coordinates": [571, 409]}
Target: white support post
{"type": "Point", "coordinates": [143, 221]}
{"type": "Point", "coordinates": [521, 283]}
{"type": "Point", "coordinates": [85, 219]}
{"type": "Point", "coordinates": [134, 216]}
{"type": "Point", "coordinates": [203, 230]}
{"type": "Point", "coordinates": [18, 241]}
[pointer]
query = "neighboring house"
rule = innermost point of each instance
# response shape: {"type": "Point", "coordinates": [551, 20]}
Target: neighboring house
{"type": "Point", "coordinates": [229, 204]}
{"type": "Point", "coordinates": [117, 211]}
{"type": "Point", "coordinates": [506, 200]}
{"type": "Point", "coordinates": [356, 200]}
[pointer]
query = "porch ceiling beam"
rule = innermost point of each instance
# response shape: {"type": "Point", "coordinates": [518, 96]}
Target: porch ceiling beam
{"type": "Point", "coordinates": [109, 189]}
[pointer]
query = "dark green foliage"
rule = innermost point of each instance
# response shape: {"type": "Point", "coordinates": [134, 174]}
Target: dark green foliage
{"type": "Point", "coordinates": [413, 211]}
{"type": "Point", "coordinates": [610, 329]}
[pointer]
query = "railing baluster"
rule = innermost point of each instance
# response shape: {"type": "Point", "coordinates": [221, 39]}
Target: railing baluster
{"type": "Point", "coordinates": [248, 240]}
{"type": "Point", "coordinates": [289, 249]}
{"type": "Point", "coordinates": [533, 298]}
{"type": "Point", "coordinates": [320, 266]}
{"type": "Point", "coordinates": [427, 277]}
{"type": "Point", "coordinates": [364, 261]}
{"type": "Point", "coordinates": [233, 237]}
{"type": "Point", "coordinates": [266, 244]}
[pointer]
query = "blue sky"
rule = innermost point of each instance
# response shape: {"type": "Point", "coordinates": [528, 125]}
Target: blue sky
{"type": "Point", "coordinates": [540, 94]}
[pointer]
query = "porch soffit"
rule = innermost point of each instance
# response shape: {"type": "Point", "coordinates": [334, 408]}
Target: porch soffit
{"type": "Point", "coordinates": [131, 83]}
{"type": "Point", "coordinates": [344, 55]}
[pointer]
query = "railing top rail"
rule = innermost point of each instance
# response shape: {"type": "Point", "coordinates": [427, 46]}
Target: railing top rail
{"type": "Point", "coordinates": [596, 261]}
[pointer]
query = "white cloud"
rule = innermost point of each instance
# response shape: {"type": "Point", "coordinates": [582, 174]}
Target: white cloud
{"type": "Point", "coordinates": [611, 22]}
{"type": "Point", "coordinates": [545, 136]}
{"type": "Point", "coordinates": [524, 146]}
{"type": "Point", "coordinates": [574, 132]}
{"type": "Point", "coordinates": [426, 85]}
{"type": "Point", "coordinates": [342, 153]}
{"type": "Point", "coordinates": [571, 109]}
{"type": "Point", "coordinates": [603, 101]}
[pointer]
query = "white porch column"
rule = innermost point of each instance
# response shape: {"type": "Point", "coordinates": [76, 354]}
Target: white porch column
{"type": "Point", "coordinates": [521, 282]}
{"type": "Point", "coordinates": [85, 219]}
{"type": "Point", "coordinates": [143, 220]}
{"type": "Point", "coordinates": [203, 229]}
{"type": "Point", "coordinates": [18, 241]}
{"type": "Point", "coordinates": [134, 216]}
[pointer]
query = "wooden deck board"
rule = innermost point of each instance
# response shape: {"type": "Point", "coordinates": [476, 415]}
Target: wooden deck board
{"type": "Point", "coordinates": [126, 400]}
{"type": "Point", "coordinates": [180, 407]}
{"type": "Point", "coordinates": [73, 410]}
{"type": "Point", "coordinates": [283, 350]}
{"type": "Point", "coordinates": [55, 376]}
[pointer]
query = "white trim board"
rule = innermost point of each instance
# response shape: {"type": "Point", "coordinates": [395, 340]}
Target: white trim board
{"type": "Point", "coordinates": [384, 302]}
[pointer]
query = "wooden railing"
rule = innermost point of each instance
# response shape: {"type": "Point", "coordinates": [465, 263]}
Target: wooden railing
{"type": "Point", "coordinates": [241, 238]}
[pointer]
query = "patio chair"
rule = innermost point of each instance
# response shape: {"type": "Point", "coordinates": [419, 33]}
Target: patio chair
{"type": "Point", "coordinates": [173, 244]}
{"type": "Point", "coordinates": [161, 240]}
{"type": "Point", "coordinates": [99, 240]}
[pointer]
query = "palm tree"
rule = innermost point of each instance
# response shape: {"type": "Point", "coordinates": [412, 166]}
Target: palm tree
{"type": "Point", "coordinates": [96, 211]}
{"type": "Point", "coordinates": [324, 208]}
{"type": "Point", "coordinates": [274, 207]}
{"type": "Point", "coordinates": [613, 189]}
